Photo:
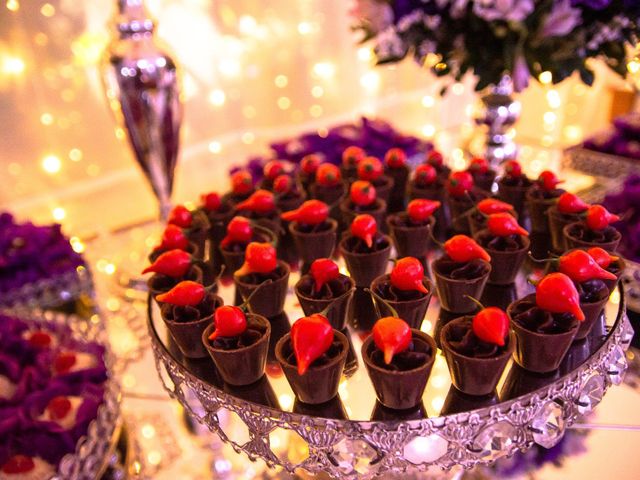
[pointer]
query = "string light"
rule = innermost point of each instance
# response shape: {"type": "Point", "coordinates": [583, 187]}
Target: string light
{"type": "Point", "coordinates": [428, 101]}
{"type": "Point", "coordinates": [217, 97]}
{"type": "Point", "coordinates": [58, 214]}
{"type": "Point", "coordinates": [281, 81]}
{"type": "Point", "coordinates": [215, 147]}
{"type": "Point", "coordinates": [51, 164]}
{"type": "Point", "coordinates": [545, 78]}
{"type": "Point", "coordinates": [13, 5]}
{"type": "Point", "coordinates": [12, 65]}
{"type": "Point", "coordinates": [48, 10]}
{"type": "Point", "coordinates": [324, 70]}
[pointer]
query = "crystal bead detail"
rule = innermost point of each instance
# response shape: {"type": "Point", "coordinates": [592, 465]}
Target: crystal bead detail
{"type": "Point", "coordinates": [591, 394]}
{"type": "Point", "coordinates": [288, 445]}
{"type": "Point", "coordinates": [425, 449]}
{"type": "Point", "coordinates": [353, 456]}
{"type": "Point", "coordinates": [494, 441]}
{"type": "Point", "coordinates": [627, 333]}
{"type": "Point", "coordinates": [548, 425]}
{"type": "Point", "coordinates": [617, 366]}
{"type": "Point", "coordinates": [233, 426]}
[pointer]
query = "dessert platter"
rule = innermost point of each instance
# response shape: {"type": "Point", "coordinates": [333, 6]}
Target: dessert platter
{"type": "Point", "coordinates": [388, 319]}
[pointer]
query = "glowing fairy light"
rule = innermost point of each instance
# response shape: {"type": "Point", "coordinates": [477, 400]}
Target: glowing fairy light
{"type": "Point", "coordinates": [284, 103]}
{"type": "Point", "coordinates": [428, 101]}
{"type": "Point", "coordinates": [51, 164]}
{"type": "Point", "coordinates": [324, 70]}
{"type": "Point", "coordinates": [217, 97]}
{"type": "Point", "coordinates": [58, 214]}
{"type": "Point", "coordinates": [215, 147]}
{"type": "Point", "coordinates": [317, 91]}
{"type": "Point", "coordinates": [365, 54]}
{"type": "Point", "coordinates": [370, 81]}
{"type": "Point", "coordinates": [545, 78]}
{"type": "Point", "coordinates": [12, 65]}
{"type": "Point", "coordinates": [281, 81]}
{"type": "Point", "coordinates": [13, 5]}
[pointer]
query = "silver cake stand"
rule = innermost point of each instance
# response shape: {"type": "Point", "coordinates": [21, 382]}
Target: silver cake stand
{"type": "Point", "coordinates": [354, 436]}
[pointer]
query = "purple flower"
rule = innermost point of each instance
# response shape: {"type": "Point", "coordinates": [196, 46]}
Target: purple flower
{"type": "Point", "coordinates": [562, 19]}
{"type": "Point", "coordinates": [592, 4]}
{"type": "Point", "coordinates": [506, 10]}
{"type": "Point", "coordinates": [521, 74]}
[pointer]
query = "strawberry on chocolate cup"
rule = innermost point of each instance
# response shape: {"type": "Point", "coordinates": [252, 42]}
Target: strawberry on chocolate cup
{"type": "Point", "coordinates": [459, 206]}
{"type": "Point", "coordinates": [400, 384]}
{"type": "Point", "coordinates": [541, 338]}
{"type": "Point", "coordinates": [457, 281]}
{"type": "Point", "coordinates": [365, 266]}
{"type": "Point", "coordinates": [411, 306]}
{"type": "Point", "coordinates": [475, 366]}
{"type": "Point", "coordinates": [507, 255]}
{"type": "Point", "coordinates": [314, 241]}
{"type": "Point", "coordinates": [269, 301]}
{"type": "Point", "coordinates": [341, 291]}
{"type": "Point", "coordinates": [349, 210]}
{"type": "Point", "coordinates": [199, 271]}
{"type": "Point", "coordinates": [240, 360]}
{"type": "Point", "coordinates": [233, 254]}
{"type": "Point", "coordinates": [186, 324]}
{"type": "Point", "coordinates": [579, 235]}
{"type": "Point", "coordinates": [320, 382]}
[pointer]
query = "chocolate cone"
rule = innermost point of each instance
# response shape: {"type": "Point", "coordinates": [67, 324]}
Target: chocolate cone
{"type": "Point", "coordinates": [349, 173]}
{"type": "Point", "coordinates": [459, 207]}
{"type": "Point", "coordinates": [473, 375]}
{"type": "Point", "coordinates": [411, 311]}
{"type": "Point", "coordinates": [383, 185]}
{"type": "Point", "coordinates": [498, 295]}
{"type": "Point", "coordinates": [377, 211]}
{"type": "Point", "coordinates": [383, 414]}
{"type": "Point", "coordinates": [519, 382]}
{"type": "Point", "coordinates": [485, 180]}
{"type": "Point", "coordinates": [400, 176]}
{"type": "Point", "coordinates": [557, 222]}
{"type": "Point", "coordinates": [365, 267]}
{"type": "Point", "coordinates": [199, 271]}
{"type": "Point", "coordinates": [192, 248]}
{"type": "Point", "coordinates": [280, 326]}
{"type": "Point", "coordinates": [577, 354]}
{"type": "Point", "coordinates": [592, 312]}
{"type": "Point", "coordinates": [320, 383]}
{"type": "Point", "coordinates": [505, 265]}
{"type": "Point", "coordinates": [314, 245]}
{"type": "Point", "coordinates": [269, 301]}
{"type": "Point", "coordinates": [337, 314]}
{"type": "Point", "coordinates": [198, 232]}
{"type": "Point", "coordinates": [444, 317]}
{"type": "Point", "coordinates": [539, 352]}
{"type": "Point", "coordinates": [457, 402]}
{"type": "Point", "coordinates": [399, 389]}
{"type": "Point", "coordinates": [410, 241]}
{"type": "Point", "coordinates": [260, 392]}
{"type": "Point", "coordinates": [245, 365]}
{"type": "Point", "coordinates": [332, 409]}
{"type": "Point", "coordinates": [329, 195]}
{"type": "Point", "coordinates": [362, 313]}
{"type": "Point", "coordinates": [188, 335]}
{"type": "Point", "coordinates": [453, 293]}
{"type": "Point", "coordinates": [233, 260]}
{"type": "Point", "coordinates": [616, 268]}
{"type": "Point", "coordinates": [538, 212]}
{"type": "Point", "coordinates": [571, 235]}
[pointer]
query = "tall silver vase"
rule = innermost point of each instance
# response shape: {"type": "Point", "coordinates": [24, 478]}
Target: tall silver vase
{"type": "Point", "coordinates": [142, 86]}
{"type": "Point", "coordinates": [499, 114]}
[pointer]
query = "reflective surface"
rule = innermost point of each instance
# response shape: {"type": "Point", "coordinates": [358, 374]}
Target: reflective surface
{"type": "Point", "coordinates": [357, 399]}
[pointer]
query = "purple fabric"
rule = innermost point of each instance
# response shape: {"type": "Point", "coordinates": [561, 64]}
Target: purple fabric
{"type": "Point", "coordinates": [626, 203]}
{"type": "Point", "coordinates": [29, 253]}
{"type": "Point", "coordinates": [592, 4]}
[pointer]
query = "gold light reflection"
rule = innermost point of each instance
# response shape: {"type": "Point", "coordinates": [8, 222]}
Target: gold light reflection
{"type": "Point", "coordinates": [51, 164]}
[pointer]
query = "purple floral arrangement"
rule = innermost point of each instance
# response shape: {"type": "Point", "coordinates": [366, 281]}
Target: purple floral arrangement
{"type": "Point", "coordinates": [29, 253]}
{"type": "Point", "coordinates": [37, 380]}
{"type": "Point", "coordinates": [490, 38]}
{"type": "Point", "coordinates": [376, 137]}
{"type": "Point", "coordinates": [622, 139]}
{"type": "Point", "coordinates": [625, 203]}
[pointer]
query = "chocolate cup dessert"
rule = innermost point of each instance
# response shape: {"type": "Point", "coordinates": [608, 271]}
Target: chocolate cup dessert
{"type": "Point", "coordinates": [538, 202]}
{"type": "Point", "coordinates": [400, 176]}
{"type": "Point", "coordinates": [270, 221]}
{"type": "Point", "coordinates": [234, 198]}
{"type": "Point", "coordinates": [484, 181]}
{"type": "Point", "coordinates": [594, 295]}
{"type": "Point", "coordinates": [192, 249]}
{"type": "Point", "coordinates": [577, 354]}
{"type": "Point", "coordinates": [456, 281]}
{"type": "Point", "coordinates": [269, 301]}
{"type": "Point", "coordinates": [507, 255]}
{"type": "Point", "coordinates": [578, 235]}
{"type": "Point", "coordinates": [520, 382]}
{"type": "Point", "coordinates": [444, 317]}
{"type": "Point", "coordinates": [314, 241]}
{"type": "Point", "coordinates": [320, 382]}
{"type": "Point", "coordinates": [475, 366]}
{"type": "Point", "coordinates": [616, 268]}
{"type": "Point", "coordinates": [410, 240]}
{"type": "Point", "coordinates": [337, 293]}
{"type": "Point", "coordinates": [461, 205]}
{"type": "Point", "coordinates": [199, 271]}
{"type": "Point", "coordinates": [240, 360]}
{"type": "Point", "coordinates": [290, 200]}
{"type": "Point", "coordinates": [305, 180]}
{"type": "Point", "coordinates": [349, 172]}
{"type": "Point", "coordinates": [366, 264]}
{"type": "Point", "coordinates": [198, 232]}
{"type": "Point", "coordinates": [400, 384]}
{"type": "Point", "coordinates": [434, 192]}
{"type": "Point", "coordinates": [478, 221]}
{"type": "Point", "coordinates": [329, 195]}
{"type": "Point", "coordinates": [333, 409]}
{"type": "Point", "coordinates": [383, 185]}
{"type": "Point", "coordinates": [186, 324]}
{"type": "Point", "coordinates": [218, 221]}
{"type": "Point", "coordinates": [540, 350]}
{"type": "Point", "coordinates": [557, 222]}
{"type": "Point", "coordinates": [280, 326]}
{"type": "Point", "coordinates": [381, 413]}
{"type": "Point", "coordinates": [233, 255]}
{"type": "Point", "coordinates": [499, 295]}
{"type": "Point", "coordinates": [457, 402]}
{"type": "Point", "coordinates": [350, 210]}
{"type": "Point", "coordinates": [513, 190]}
{"type": "Point", "coordinates": [411, 306]}
{"type": "Point", "coordinates": [362, 312]}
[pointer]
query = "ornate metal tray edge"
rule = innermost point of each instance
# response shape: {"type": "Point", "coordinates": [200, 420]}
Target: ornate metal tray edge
{"type": "Point", "coordinates": [365, 449]}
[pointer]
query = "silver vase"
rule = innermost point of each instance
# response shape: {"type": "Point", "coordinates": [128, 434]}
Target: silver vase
{"type": "Point", "coordinates": [499, 114]}
{"type": "Point", "coordinates": [141, 83]}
